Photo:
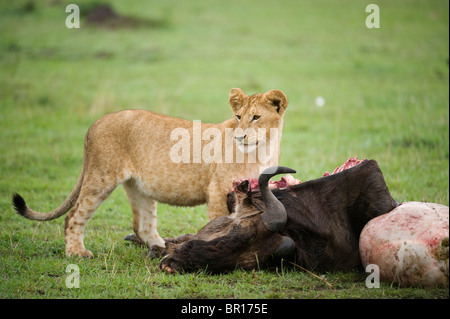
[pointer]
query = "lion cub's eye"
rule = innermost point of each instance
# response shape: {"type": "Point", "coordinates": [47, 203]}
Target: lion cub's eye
{"type": "Point", "coordinates": [238, 117]}
{"type": "Point", "coordinates": [256, 117]}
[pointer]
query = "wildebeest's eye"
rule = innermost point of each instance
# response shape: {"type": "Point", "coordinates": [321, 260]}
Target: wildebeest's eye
{"type": "Point", "coordinates": [256, 117]}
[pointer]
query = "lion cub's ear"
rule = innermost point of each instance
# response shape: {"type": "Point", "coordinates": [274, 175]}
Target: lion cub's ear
{"type": "Point", "coordinates": [237, 98]}
{"type": "Point", "coordinates": [278, 99]}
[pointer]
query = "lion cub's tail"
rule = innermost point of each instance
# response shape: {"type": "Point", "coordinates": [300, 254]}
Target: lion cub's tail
{"type": "Point", "coordinates": [22, 209]}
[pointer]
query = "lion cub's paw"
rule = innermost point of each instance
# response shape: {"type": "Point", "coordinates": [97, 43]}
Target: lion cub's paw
{"type": "Point", "coordinates": [80, 253]}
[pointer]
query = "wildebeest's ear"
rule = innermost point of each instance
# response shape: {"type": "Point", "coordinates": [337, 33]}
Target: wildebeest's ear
{"type": "Point", "coordinates": [243, 187]}
{"type": "Point", "coordinates": [278, 99]}
{"type": "Point", "coordinates": [242, 191]}
{"type": "Point", "coordinates": [237, 99]}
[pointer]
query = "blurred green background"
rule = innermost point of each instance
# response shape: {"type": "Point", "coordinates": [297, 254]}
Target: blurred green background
{"type": "Point", "coordinates": [385, 90]}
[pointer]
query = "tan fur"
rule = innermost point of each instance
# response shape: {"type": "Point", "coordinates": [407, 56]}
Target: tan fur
{"type": "Point", "coordinates": [132, 148]}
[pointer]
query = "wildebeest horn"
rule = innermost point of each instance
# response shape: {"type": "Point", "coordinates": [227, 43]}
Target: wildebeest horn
{"type": "Point", "coordinates": [275, 217]}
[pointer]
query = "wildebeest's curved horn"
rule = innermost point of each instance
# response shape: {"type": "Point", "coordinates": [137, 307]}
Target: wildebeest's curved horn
{"type": "Point", "coordinates": [274, 218]}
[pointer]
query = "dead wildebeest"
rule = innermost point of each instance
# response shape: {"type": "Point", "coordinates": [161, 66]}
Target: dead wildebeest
{"type": "Point", "coordinates": [315, 224]}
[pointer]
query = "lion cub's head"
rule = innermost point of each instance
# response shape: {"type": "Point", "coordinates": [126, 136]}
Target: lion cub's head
{"type": "Point", "coordinates": [259, 118]}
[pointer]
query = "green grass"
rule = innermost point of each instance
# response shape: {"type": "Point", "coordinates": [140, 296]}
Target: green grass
{"type": "Point", "coordinates": [386, 93]}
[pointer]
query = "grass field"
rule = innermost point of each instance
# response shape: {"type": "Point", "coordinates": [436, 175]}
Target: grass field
{"type": "Point", "coordinates": [386, 97]}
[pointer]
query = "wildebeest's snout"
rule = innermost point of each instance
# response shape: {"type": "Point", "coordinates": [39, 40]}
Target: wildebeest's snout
{"type": "Point", "coordinates": [169, 264]}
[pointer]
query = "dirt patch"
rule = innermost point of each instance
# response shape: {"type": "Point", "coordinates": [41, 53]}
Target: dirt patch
{"type": "Point", "coordinates": [104, 16]}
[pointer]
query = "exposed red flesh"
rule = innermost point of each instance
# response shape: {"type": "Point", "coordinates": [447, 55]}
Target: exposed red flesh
{"type": "Point", "coordinates": [289, 180]}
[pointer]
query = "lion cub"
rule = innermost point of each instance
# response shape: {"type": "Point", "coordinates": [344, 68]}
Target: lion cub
{"type": "Point", "coordinates": [158, 158]}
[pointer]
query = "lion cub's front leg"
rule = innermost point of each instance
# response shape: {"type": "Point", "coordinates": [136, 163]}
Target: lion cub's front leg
{"type": "Point", "coordinates": [144, 216]}
{"type": "Point", "coordinates": [217, 200]}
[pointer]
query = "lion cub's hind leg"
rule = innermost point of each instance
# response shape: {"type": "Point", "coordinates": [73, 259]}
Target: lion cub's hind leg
{"type": "Point", "coordinates": [144, 216]}
{"type": "Point", "coordinates": [85, 207]}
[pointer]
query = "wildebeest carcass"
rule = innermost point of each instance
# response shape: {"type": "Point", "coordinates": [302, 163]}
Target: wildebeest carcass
{"type": "Point", "coordinates": [315, 224]}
